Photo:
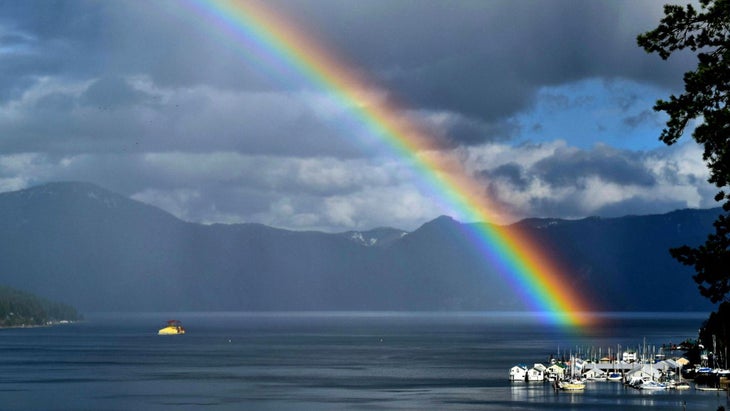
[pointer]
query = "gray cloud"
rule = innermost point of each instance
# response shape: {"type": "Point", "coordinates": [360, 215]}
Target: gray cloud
{"type": "Point", "coordinates": [111, 93]}
{"type": "Point", "coordinates": [149, 100]}
{"type": "Point", "coordinates": [55, 103]}
{"type": "Point", "coordinates": [569, 167]}
{"type": "Point", "coordinates": [482, 60]}
{"type": "Point", "coordinates": [488, 59]}
{"type": "Point", "coordinates": [639, 206]}
{"type": "Point", "coordinates": [63, 38]}
{"type": "Point", "coordinates": [114, 114]}
{"type": "Point", "coordinates": [512, 173]}
{"type": "Point", "coordinates": [643, 117]}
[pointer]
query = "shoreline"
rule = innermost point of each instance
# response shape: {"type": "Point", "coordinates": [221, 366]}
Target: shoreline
{"type": "Point", "coordinates": [47, 324]}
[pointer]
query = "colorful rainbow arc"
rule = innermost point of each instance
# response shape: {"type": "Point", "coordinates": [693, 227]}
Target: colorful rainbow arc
{"type": "Point", "coordinates": [284, 49]}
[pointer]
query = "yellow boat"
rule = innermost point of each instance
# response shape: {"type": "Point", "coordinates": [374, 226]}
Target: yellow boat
{"type": "Point", "coordinates": [572, 385]}
{"type": "Point", "coordinates": [174, 327]}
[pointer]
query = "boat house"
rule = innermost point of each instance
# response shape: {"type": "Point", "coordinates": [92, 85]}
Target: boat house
{"type": "Point", "coordinates": [555, 371]}
{"type": "Point", "coordinates": [593, 372]}
{"type": "Point", "coordinates": [644, 372]}
{"type": "Point", "coordinates": [535, 374]}
{"type": "Point", "coordinates": [518, 373]}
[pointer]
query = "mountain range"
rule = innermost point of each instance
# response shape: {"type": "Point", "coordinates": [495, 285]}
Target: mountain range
{"type": "Point", "coordinates": [100, 251]}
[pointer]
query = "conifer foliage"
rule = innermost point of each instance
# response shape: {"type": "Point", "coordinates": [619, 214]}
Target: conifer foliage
{"type": "Point", "coordinates": [706, 33]}
{"type": "Point", "coordinates": [19, 308]}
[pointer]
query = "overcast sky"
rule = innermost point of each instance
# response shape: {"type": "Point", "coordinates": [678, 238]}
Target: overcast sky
{"type": "Point", "coordinates": [549, 104]}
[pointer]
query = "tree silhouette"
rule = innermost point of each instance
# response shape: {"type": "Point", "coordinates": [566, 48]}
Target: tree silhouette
{"type": "Point", "coordinates": [706, 33]}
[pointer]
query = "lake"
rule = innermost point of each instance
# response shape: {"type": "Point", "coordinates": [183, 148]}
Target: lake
{"type": "Point", "coordinates": [322, 361]}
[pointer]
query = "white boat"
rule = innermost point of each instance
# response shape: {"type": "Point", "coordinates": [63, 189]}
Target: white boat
{"type": "Point", "coordinates": [652, 385]}
{"type": "Point", "coordinates": [708, 388]}
{"type": "Point", "coordinates": [614, 375]}
{"type": "Point", "coordinates": [721, 372]}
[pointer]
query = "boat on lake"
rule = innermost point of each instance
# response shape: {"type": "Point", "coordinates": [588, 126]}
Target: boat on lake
{"type": "Point", "coordinates": [614, 376]}
{"type": "Point", "coordinates": [698, 388]}
{"type": "Point", "coordinates": [681, 385]}
{"type": "Point", "coordinates": [572, 385]}
{"type": "Point", "coordinates": [652, 385]}
{"type": "Point", "coordinates": [174, 327]}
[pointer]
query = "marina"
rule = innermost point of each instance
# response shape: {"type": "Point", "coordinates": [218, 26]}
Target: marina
{"type": "Point", "coordinates": [640, 369]}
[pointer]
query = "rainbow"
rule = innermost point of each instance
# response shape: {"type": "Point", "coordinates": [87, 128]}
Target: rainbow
{"type": "Point", "coordinates": [259, 33]}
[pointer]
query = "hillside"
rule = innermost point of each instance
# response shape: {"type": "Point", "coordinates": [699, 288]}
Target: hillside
{"type": "Point", "coordinates": [100, 251]}
{"type": "Point", "coordinates": [18, 308]}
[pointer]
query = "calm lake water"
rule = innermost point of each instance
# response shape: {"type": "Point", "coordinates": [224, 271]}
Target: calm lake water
{"type": "Point", "coordinates": [321, 361]}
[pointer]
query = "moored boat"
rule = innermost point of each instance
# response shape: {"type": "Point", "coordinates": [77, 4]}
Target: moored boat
{"type": "Point", "coordinates": [681, 385]}
{"type": "Point", "coordinates": [572, 385]}
{"type": "Point", "coordinates": [698, 388]}
{"type": "Point", "coordinates": [652, 385]}
{"type": "Point", "coordinates": [614, 376]}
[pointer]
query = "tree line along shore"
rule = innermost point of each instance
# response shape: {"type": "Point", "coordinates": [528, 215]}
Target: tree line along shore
{"type": "Point", "coordinates": [22, 309]}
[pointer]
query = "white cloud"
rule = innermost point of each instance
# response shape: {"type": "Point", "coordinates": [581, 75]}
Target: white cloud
{"type": "Point", "coordinates": [595, 193]}
{"type": "Point", "coordinates": [399, 206]}
{"type": "Point", "coordinates": [298, 193]}
{"type": "Point", "coordinates": [599, 181]}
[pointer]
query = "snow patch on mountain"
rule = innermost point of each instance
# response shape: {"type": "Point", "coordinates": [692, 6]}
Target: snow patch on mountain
{"type": "Point", "coordinates": [358, 237]}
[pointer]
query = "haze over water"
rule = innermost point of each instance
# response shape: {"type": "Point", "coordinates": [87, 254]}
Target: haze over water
{"type": "Point", "coordinates": [319, 361]}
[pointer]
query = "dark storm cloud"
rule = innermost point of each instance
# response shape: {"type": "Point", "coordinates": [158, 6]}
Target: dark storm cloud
{"type": "Point", "coordinates": [487, 59]}
{"type": "Point", "coordinates": [452, 129]}
{"type": "Point", "coordinates": [512, 173]}
{"type": "Point", "coordinates": [80, 39]}
{"type": "Point", "coordinates": [46, 38]}
{"type": "Point", "coordinates": [481, 59]}
{"type": "Point", "coordinates": [112, 114]}
{"type": "Point", "coordinates": [176, 47]}
{"type": "Point", "coordinates": [569, 167]}
{"type": "Point", "coordinates": [48, 20]}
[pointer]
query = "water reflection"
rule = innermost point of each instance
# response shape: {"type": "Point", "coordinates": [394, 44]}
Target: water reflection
{"type": "Point", "coordinates": [609, 395]}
